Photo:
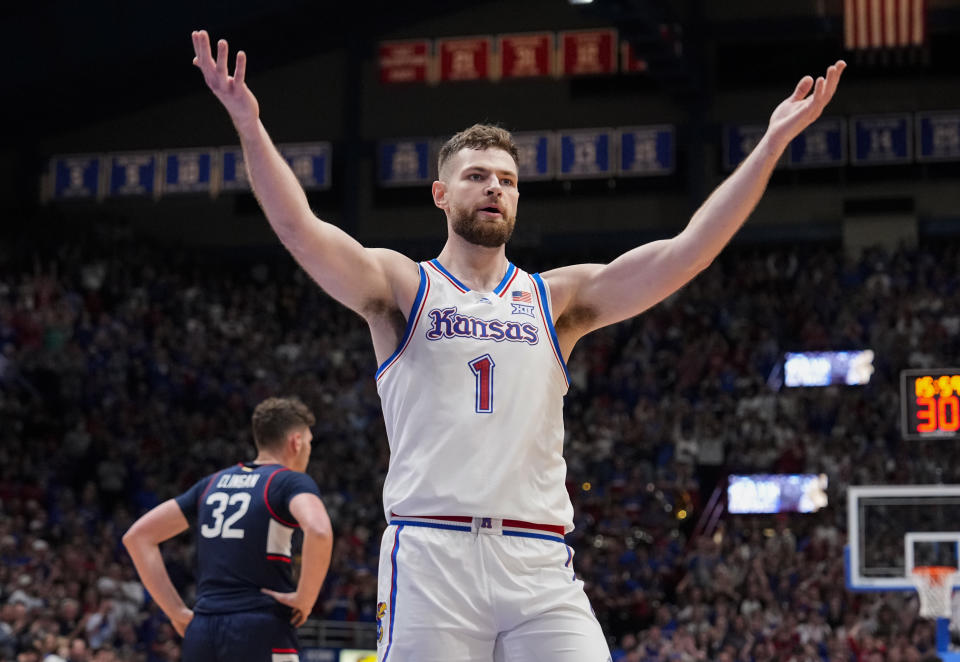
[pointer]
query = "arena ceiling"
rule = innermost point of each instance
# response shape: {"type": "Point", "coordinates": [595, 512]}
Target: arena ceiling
{"type": "Point", "coordinates": [71, 63]}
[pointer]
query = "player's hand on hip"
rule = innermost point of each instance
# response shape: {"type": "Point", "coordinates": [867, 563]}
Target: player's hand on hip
{"type": "Point", "coordinates": [181, 620]}
{"type": "Point", "coordinates": [302, 606]}
{"type": "Point", "coordinates": [801, 109]}
{"type": "Point", "coordinates": [232, 91]}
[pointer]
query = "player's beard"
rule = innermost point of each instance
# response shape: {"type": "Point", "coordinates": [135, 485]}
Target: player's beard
{"type": "Point", "coordinates": [469, 225]}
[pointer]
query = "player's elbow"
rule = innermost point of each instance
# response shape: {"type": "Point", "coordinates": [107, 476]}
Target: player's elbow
{"type": "Point", "coordinates": [131, 539]}
{"type": "Point", "coordinates": [320, 532]}
{"type": "Point", "coordinates": [690, 256]}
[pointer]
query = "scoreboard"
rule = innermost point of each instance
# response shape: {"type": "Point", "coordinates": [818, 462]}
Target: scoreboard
{"type": "Point", "coordinates": [930, 403]}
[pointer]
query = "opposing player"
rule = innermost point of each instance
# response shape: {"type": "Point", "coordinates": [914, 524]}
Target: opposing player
{"type": "Point", "coordinates": [245, 515]}
{"type": "Point", "coordinates": [472, 354]}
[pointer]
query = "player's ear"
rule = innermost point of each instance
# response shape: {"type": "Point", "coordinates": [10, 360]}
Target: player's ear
{"type": "Point", "coordinates": [295, 442]}
{"type": "Point", "coordinates": [439, 191]}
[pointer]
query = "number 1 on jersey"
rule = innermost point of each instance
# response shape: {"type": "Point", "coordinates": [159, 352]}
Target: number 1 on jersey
{"type": "Point", "coordinates": [482, 368]}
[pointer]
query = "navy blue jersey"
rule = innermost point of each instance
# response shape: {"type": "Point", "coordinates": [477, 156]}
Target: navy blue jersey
{"type": "Point", "coordinates": [244, 534]}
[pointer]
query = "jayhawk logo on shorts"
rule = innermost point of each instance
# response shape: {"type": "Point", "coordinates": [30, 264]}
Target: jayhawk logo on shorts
{"type": "Point", "coordinates": [381, 612]}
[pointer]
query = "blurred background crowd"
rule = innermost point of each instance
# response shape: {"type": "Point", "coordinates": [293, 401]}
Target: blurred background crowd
{"type": "Point", "coordinates": [128, 371]}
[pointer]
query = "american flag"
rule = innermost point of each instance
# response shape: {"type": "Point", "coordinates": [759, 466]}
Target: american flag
{"type": "Point", "coordinates": [519, 296]}
{"type": "Point", "coordinates": [884, 23]}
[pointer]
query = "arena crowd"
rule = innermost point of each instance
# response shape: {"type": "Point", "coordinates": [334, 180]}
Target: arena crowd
{"type": "Point", "coordinates": [127, 372]}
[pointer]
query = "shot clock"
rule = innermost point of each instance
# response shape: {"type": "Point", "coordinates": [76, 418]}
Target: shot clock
{"type": "Point", "coordinates": [930, 403]}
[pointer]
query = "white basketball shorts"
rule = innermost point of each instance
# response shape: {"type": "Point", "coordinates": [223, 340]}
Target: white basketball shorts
{"type": "Point", "coordinates": [480, 590]}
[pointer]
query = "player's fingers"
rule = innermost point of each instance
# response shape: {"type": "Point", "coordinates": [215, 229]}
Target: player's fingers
{"type": "Point", "coordinates": [201, 47]}
{"type": "Point", "coordinates": [298, 618]}
{"type": "Point", "coordinates": [241, 69]}
{"type": "Point", "coordinates": [273, 594]}
{"type": "Point", "coordinates": [833, 76]}
{"type": "Point", "coordinates": [803, 88]}
{"type": "Point", "coordinates": [222, 52]}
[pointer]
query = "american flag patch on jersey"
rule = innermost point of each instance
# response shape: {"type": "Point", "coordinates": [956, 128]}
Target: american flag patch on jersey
{"type": "Point", "coordinates": [519, 296]}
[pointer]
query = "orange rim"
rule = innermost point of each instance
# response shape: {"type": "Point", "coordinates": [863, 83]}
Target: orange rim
{"type": "Point", "coordinates": [935, 574]}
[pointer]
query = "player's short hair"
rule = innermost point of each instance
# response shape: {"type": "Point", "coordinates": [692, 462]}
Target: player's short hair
{"type": "Point", "coordinates": [479, 136]}
{"type": "Point", "coordinates": [274, 418]}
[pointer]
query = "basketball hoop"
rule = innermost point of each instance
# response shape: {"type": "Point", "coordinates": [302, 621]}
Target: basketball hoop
{"type": "Point", "coordinates": [934, 583]}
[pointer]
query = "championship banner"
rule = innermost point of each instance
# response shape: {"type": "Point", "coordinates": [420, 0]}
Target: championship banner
{"type": "Point", "coordinates": [585, 52]}
{"type": "Point", "coordinates": [310, 162]}
{"type": "Point", "coordinates": [738, 141]}
{"type": "Point", "coordinates": [187, 171]}
{"type": "Point", "coordinates": [132, 174]}
{"type": "Point", "coordinates": [404, 162]}
{"type": "Point", "coordinates": [822, 144]}
{"type": "Point", "coordinates": [629, 62]}
{"type": "Point", "coordinates": [233, 173]}
{"type": "Point", "coordinates": [881, 139]}
{"type": "Point", "coordinates": [873, 24]}
{"type": "Point", "coordinates": [586, 153]}
{"type": "Point", "coordinates": [464, 58]}
{"type": "Point", "coordinates": [404, 61]}
{"type": "Point", "coordinates": [938, 136]}
{"type": "Point", "coordinates": [535, 151]}
{"type": "Point", "coordinates": [76, 177]}
{"type": "Point", "coordinates": [647, 150]}
{"type": "Point", "coordinates": [525, 55]}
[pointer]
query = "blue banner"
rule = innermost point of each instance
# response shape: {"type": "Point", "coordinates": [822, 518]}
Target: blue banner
{"type": "Point", "coordinates": [535, 151]}
{"type": "Point", "coordinates": [738, 141]}
{"type": "Point", "coordinates": [310, 162]}
{"type": "Point", "coordinates": [132, 174]}
{"type": "Point", "coordinates": [938, 136]}
{"type": "Point", "coordinates": [233, 173]}
{"type": "Point", "coordinates": [586, 153]}
{"type": "Point", "coordinates": [404, 162]}
{"type": "Point", "coordinates": [187, 171]}
{"type": "Point", "coordinates": [647, 150]}
{"type": "Point", "coordinates": [823, 144]}
{"type": "Point", "coordinates": [76, 177]}
{"type": "Point", "coordinates": [885, 139]}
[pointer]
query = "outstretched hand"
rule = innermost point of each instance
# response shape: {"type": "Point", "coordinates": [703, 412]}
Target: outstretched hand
{"type": "Point", "coordinates": [232, 91]}
{"type": "Point", "coordinates": [801, 109]}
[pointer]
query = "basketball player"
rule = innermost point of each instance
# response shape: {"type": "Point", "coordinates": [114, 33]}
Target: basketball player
{"type": "Point", "coordinates": [472, 353]}
{"type": "Point", "coordinates": [245, 515]}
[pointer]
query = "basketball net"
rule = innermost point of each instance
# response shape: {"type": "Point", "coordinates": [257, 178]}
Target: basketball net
{"type": "Point", "coordinates": [934, 584]}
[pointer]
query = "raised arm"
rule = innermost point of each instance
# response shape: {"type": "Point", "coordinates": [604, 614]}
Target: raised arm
{"type": "Point", "coordinates": [362, 279]}
{"type": "Point", "coordinates": [588, 296]}
{"type": "Point", "coordinates": [142, 541]}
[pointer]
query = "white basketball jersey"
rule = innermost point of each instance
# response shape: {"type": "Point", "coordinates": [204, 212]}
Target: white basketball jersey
{"type": "Point", "coordinates": [473, 403]}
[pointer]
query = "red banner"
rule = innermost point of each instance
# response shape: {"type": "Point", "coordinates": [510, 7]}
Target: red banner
{"type": "Point", "coordinates": [629, 62]}
{"type": "Point", "coordinates": [465, 58]}
{"type": "Point", "coordinates": [526, 55]}
{"type": "Point", "coordinates": [588, 52]}
{"type": "Point", "coordinates": [404, 61]}
{"type": "Point", "coordinates": [884, 23]}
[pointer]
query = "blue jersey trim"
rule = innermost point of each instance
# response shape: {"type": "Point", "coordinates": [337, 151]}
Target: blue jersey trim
{"type": "Point", "coordinates": [548, 319]}
{"type": "Point", "coordinates": [435, 262]}
{"type": "Point", "coordinates": [411, 320]}
{"type": "Point", "coordinates": [541, 536]}
{"type": "Point", "coordinates": [506, 278]}
{"type": "Point", "coordinates": [430, 525]}
{"type": "Point", "coordinates": [455, 527]}
{"type": "Point", "coordinates": [393, 590]}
